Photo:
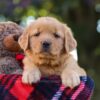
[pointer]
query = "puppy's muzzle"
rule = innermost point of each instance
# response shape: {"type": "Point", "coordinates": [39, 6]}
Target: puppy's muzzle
{"type": "Point", "coordinates": [46, 46]}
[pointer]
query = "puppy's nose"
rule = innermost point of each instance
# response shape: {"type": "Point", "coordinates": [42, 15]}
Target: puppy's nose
{"type": "Point", "coordinates": [46, 45]}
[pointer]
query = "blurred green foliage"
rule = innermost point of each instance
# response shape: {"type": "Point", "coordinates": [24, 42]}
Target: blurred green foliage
{"type": "Point", "coordinates": [80, 15]}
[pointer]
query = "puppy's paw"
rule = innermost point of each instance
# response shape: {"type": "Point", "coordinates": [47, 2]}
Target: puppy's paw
{"type": "Point", "coordinates": [31, 76]}
{"type": "Point", "coordinates": [70, 79]}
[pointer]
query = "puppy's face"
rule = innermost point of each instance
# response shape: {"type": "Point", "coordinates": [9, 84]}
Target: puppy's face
{"type": "Point", "coordinates": [47, 38]}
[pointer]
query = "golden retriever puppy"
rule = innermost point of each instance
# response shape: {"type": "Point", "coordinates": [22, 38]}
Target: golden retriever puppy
{"type": "Point", "coordinates": [47, 44]}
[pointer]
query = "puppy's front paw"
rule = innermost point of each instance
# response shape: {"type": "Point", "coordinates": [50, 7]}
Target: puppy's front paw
{"type": "Point", "coordinates": [31, 76]}
{"type": "Point", "coordinates": [70, 79]}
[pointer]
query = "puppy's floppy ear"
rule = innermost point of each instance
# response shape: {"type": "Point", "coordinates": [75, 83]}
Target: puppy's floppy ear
{"type": "Point", "coordinates": [24, 41]}
{"type": "Point", "coordinates": [70, 42]}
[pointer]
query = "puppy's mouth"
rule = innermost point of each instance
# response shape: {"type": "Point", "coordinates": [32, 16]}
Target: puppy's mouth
{"type": "Point", "coordinates": [46, 59]}
{"type": "Point", "coordinates": [46, 52]}
{"type": "Point", "coordinates": [46, 55]}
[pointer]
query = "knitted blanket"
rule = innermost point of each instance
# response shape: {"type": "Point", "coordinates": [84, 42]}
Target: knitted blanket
{"type": "Point", "coordinates": [49, 88]}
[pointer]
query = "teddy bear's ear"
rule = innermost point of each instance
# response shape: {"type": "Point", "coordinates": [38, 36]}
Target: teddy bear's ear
{"type": "Point", "coordinates": [70, 42]}
{"type": "Point", "coordinates": [24, 41]}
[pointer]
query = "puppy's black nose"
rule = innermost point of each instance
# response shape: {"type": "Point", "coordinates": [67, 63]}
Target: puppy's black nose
{"type": "Point", "coordinates": [46, 45]}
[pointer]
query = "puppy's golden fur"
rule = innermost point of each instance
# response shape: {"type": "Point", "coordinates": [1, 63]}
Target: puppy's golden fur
{"type": "Point", "coordinates": [54, 60]}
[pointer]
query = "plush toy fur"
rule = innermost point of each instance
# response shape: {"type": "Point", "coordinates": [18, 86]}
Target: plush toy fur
{"type": "Point", "coordinates": [9, 47]}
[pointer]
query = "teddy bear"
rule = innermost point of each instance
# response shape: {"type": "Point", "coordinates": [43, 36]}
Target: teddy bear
{"type": "Point", "coordinates": [9, 47]}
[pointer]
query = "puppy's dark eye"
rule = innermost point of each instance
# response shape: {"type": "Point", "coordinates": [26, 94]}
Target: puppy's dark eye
{"type": "Point", "coordinates": [56, 35]}
{"type": "Point", "coordinates": [37, 34]}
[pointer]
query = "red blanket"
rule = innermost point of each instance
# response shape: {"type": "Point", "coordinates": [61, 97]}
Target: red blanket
{"type": "Point", "coordinates": [49, 88]}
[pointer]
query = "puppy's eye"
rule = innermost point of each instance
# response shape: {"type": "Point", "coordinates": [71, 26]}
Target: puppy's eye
{"type": "Point", "coordinates": [56, 35]}
{"type": "Point", "coordinates": [37, 34]}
